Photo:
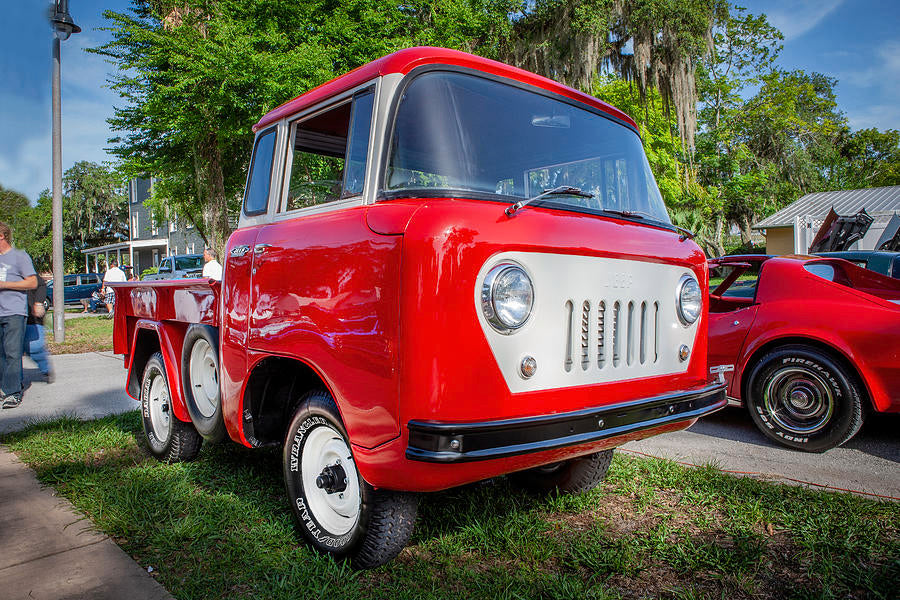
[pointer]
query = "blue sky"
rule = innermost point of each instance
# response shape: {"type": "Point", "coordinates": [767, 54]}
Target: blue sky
{"type": "Point", "coordinates": [855, 41]}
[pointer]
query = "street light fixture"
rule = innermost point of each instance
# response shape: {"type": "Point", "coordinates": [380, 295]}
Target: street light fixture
{"type": "Point", "coordinates": [63, 27]}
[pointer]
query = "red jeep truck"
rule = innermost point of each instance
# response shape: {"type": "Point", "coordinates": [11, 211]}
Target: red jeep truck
{"type": "Point", "coordinates": [446, 269]}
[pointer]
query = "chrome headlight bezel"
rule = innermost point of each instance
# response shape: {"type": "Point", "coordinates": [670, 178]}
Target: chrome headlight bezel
{"type": "Point", "coordinates": [686, 315]}
{"type": "Point", "coordinates": [488, 300]}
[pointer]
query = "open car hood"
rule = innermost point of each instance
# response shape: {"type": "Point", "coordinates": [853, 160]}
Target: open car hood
{"type": "Point", "coordinates": [838, 233]}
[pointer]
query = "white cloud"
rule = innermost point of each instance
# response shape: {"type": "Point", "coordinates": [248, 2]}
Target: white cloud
{"type": "Point", "coordinates": [880, 116]}
{"type": "Point", "coordinates": [25, 152]}
{"type": "Point", "coordinates": [796, 17]}
{"type": "Point", "coordinates": [880, 80]}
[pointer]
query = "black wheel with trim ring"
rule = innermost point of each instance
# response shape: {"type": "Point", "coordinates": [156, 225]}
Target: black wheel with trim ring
{"type": "Point", "coordinates": [169, 439]}
{"type": "Point", "coordinates": [336, 510]}
{"type": "Point", "coordinates": [802, 398]}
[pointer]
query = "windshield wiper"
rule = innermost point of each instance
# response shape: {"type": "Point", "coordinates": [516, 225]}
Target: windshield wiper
{"type": "Point", "coordinates": [636, 214]}
{"type": "Point", "coordinates": [563, 190]}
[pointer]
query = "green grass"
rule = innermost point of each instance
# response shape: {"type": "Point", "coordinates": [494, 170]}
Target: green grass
{"type": "Point", "coordinates": [85, 334]}
{"type": "Point", "coordinates": [220, 527]}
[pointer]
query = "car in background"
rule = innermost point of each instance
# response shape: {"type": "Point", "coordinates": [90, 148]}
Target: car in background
{"type": "Point", "coordinates": [180, 266]}
{"type": "Point", "coordinates": [76, 287]}
{"type": "Point", "coordinates": [808, 344]}
{"type": "Point", "coordinates": [886, 263]}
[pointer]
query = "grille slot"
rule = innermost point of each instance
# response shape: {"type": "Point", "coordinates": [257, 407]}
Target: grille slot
{"type": "Point", "coordinates": [585, 334]}
{"type": "Point", "coordinates": [570, 308]}
{"type": "Point", "coordinates": [628, 333]}
{"type": "Point", "coordinates": [615, 328]}
{"type": "Point", "coordinates": [601, 334]}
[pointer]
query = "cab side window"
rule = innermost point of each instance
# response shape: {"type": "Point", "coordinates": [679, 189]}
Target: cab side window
{"type": "Point", "coordinates": [256, 197]}
{"type": "Point", "coordinates": [328, 157]}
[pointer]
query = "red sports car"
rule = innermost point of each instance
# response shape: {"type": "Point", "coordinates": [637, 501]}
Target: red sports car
{"type": "Point", "coordinates": [810, 345]}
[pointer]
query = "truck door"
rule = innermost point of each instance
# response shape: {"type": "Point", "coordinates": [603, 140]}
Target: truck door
{"type": "Point", "coordinates": [236, 277]}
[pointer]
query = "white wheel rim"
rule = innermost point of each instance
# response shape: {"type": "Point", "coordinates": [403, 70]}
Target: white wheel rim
{"type": "Point", "coordinates": [336, 512]}
{"type": "Point", "coordinates": [158, 399]}
{"type": "Point", "coordinates": [203, 378]}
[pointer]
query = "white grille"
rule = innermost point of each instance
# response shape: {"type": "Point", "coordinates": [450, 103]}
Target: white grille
{"type": "Point", "coordinates": [595, 320]}
{"type": "Point", "coordinates": [633, 334]}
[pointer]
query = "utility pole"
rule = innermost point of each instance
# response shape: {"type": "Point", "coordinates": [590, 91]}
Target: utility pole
{"type": "Point", "coordinates": [63, 27]}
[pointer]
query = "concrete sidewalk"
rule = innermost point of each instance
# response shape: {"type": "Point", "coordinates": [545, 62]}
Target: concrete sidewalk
{"type": "Point", "coordinates": [47, 550]}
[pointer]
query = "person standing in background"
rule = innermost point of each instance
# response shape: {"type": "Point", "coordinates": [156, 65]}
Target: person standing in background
{"type": "Point", "coordinates": [113, 275]}
{"type": "Point", "coordinates": [35, 346]}
{"type": "Point", "coordinates": [17, 276]}
{"type": "Point", "coordinates": [212, 268]}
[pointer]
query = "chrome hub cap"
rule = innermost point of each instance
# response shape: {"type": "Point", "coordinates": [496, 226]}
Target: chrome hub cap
{"type": "Point", "coordinates": [204, 378]}
{"type": "Point", "coordinates": [798, 400]}
{"type": "Point", "coordinates": [158, 399]}
{"type": "Point", "coordinates": [330, 480]}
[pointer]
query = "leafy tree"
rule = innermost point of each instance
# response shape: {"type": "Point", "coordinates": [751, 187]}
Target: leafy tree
{"type": "Point", "coordinates": [96, 206]}
{"type": "Point", "coordinates": [11, 204]}
{"type": "Point", "coordinates": [866, 158]}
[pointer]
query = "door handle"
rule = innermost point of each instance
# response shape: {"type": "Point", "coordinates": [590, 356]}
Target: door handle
{"type": "Point", "coordinates": [239, 251]}
{"type": "Point", "coordinates": [260, 248]}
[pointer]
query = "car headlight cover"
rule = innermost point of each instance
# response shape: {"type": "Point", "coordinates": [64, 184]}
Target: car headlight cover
{"type": "Point", "coordinates": [507, 297]}
{"type": "Point", "coordinates": [689, 300]}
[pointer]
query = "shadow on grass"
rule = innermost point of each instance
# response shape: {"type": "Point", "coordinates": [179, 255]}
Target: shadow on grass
{"type": "Point", "coordinates": [221, 527]}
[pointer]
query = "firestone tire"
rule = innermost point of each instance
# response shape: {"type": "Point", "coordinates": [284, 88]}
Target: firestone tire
{"type": "Point", "coordinates": [200, 381]}
{"type": "Point", "coordinates": [801, 398]}
{"type": "Point", "coordinates": [169, 439]}
{"type": "Point", "coordinates": [573, 476]}
{"type": "Point", "coordinates": [336, 511]}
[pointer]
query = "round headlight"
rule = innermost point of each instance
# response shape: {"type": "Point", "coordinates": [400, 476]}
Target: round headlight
{"type": "Point", "coordinates": [690, 300]}
{"type": "Point", "coordinates": [507, 297]}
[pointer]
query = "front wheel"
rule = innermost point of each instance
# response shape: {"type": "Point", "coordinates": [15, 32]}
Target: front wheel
{"type": "Point", "coordinates": [336, 510]}
{"type": "Point", "coordinates": [573, 476]}
{"type": "Point", "coordinates": [169, 439]}
{"type": "Point", "coordinates": [801, 398]}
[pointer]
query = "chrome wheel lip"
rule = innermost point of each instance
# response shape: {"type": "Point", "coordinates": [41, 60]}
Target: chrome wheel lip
{"type": "Point", "coordinates": [338, 512]}
{"type": "Point", "coordinates": [798, 400]}
{"type": "Point", "coordinates": [203, 378]}
{"type": "Point", "coordinates": [159, 406]}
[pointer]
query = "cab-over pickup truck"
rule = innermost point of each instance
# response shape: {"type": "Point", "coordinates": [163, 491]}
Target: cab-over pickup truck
{"type": "Point", "coordinates": [446, 269]}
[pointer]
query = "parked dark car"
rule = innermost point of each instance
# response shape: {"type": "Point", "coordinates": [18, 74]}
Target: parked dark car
{"type": "Point", "coordinates": [180, 266]}
{"type": "Point", "coordinates": [886, 263]}
{"type": "Point", "coordinates": [76, 287]}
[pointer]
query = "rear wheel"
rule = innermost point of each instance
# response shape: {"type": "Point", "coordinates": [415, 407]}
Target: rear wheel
{"type": "Point", "coordinates": [801, 398]}
{"type": "Point", "coordinates": [200, 381]}
{"type": "Point", "coordinates": [169, 439]}
{"type": "Point", "coordinates": [572, 476]}
{"type": "Point", "coordinates": [336, 510]}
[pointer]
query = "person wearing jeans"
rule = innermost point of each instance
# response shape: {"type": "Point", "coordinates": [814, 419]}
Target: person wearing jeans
{"type": "Point", "coordinates": [34, 330]}
{"type": "Point", "coordinates": [17, 276]}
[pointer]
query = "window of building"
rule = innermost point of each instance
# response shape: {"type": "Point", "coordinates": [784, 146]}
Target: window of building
{"type": "Point", "coordinates": [328, 157]}
{"type": "Point", "coordinates": [154, 228]}
{"type": "Point", "coordinates": [135, 225]}
{"type": "Point", "coordinates": [173, 222]}
{"type": "Point", "coordinates": [155, 257]}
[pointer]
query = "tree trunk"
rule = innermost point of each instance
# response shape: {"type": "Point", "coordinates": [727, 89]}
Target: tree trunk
{"type": "Point", "coordinates": [717, 244]}
{"type": "Point", "coordinates": [215, 205]}
{"type": "Point", "coordinates": [745, 222]}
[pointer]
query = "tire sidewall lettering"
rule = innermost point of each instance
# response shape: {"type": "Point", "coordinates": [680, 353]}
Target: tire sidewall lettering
{"type": "Point", "coordinates": [305, 516]}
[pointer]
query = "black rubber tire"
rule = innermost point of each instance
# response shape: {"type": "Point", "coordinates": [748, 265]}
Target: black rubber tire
{"type": "Point", "coordinates": [211, 427]}
{"type": "Point", "coordinates": [182, 442]}
{"type": "Point", "coordinates": [385, 519]}
{"type": "Point", "coordinates": [573, 476]}
{"type": "Point", "coordinates": [807, 373]}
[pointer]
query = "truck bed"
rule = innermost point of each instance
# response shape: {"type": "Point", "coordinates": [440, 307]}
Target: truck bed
{"type": "Point", "coordinates": [184, 301]}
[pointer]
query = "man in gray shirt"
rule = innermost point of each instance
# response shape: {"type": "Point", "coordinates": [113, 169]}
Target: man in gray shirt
{"type": "Point", "coordinates": [16, 277]}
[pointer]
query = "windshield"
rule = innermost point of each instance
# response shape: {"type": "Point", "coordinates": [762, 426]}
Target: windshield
{"type": "Point", "coordinates": [187, 263]}
{"type": "Point", "coordinates": [463, 134]}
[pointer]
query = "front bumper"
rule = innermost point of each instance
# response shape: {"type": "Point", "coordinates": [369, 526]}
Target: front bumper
{"type": "Point", "coordinates": [439, 442]}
